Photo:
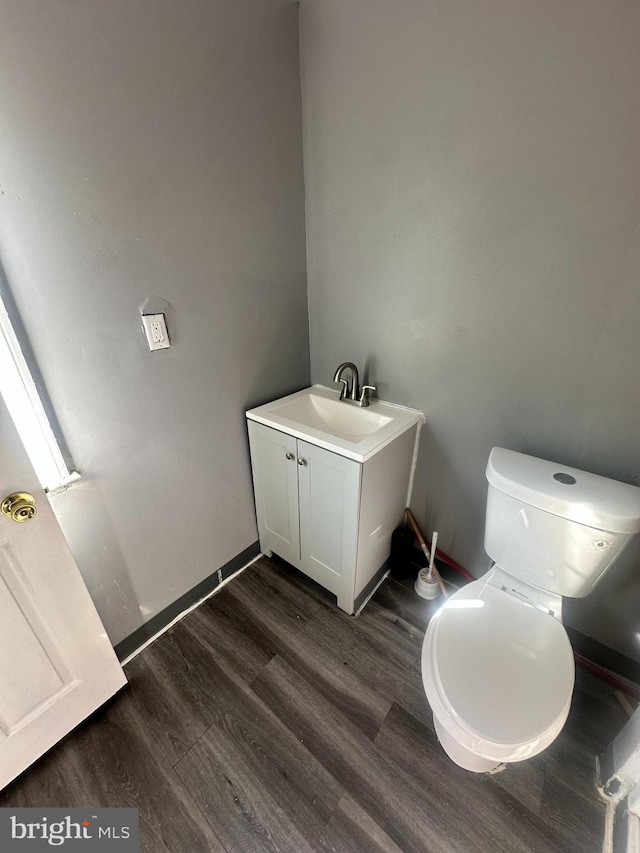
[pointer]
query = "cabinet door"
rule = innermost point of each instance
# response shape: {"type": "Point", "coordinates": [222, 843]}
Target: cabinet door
{"type": "Point", "coordinates": [275, 484]}
{"type": "Point", "coordinates": [329, 492]}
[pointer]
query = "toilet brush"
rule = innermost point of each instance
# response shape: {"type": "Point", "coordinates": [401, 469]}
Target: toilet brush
{"type": "Point", "coordinates": [428, 583]}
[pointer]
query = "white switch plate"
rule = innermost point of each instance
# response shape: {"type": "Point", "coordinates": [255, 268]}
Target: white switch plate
{"type": "Point", "coordinates": [155, 328]}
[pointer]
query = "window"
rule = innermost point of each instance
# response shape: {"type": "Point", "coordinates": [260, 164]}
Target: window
{"type": "Point", "coordinates": [23, 401]}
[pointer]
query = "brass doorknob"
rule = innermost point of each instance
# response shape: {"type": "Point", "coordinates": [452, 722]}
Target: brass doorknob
{"type": "Point", "coordinates": [20, 506]}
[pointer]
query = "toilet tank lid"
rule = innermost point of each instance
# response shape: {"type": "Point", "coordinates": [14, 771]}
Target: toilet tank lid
{"type": "Point", "coordinates": [567, 492]}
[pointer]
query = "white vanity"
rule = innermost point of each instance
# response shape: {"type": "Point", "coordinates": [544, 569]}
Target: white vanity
{"type": "Point", "coordinates": [331, 482]}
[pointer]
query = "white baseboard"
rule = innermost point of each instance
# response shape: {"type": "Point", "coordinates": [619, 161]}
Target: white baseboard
{"type": "Point", "coordinates": [188, 610]}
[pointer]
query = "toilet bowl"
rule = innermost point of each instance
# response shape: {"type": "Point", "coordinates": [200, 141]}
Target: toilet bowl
{"type": "Point", "coordinates": [499, 674]}
{"type": "Point", "coordinates": [497, 664]}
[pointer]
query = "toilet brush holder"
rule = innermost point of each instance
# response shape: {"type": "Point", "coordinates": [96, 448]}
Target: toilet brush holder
{"type": "Point", "coordinates": [425, 586]}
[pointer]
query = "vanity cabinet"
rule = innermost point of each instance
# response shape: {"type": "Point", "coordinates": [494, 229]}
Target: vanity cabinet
{"type": "Point", "coordinates": [307, 507]}
{"type": "Point", "coordinates": [328, 515]}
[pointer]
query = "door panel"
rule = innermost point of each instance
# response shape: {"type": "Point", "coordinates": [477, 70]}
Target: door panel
{"type": "Point", "coordinates": [326, 512]}
{"type": "Point", "coordinates": [56, 662]}
{"type": "Point", "coordinates": [275, 483]}
{"type": "Point", "coordinates": [329, 496]}
{"type": "Point", "coordinates": [25, 628]}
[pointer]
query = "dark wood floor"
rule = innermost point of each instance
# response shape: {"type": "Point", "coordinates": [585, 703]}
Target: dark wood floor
{"type": "Point", "coordinates": [267, 720]}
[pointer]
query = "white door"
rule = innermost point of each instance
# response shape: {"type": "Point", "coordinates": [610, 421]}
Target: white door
{"type": "Point", "coordinates": [329, 488]}
{"type": "Point", "coordinates": [275, 485]}
{"type": "Point", "coordinates": [56, 662]}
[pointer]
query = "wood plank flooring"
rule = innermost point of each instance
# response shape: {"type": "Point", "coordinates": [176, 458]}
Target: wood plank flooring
{"type": "Point", "coordinates": [267, 720]}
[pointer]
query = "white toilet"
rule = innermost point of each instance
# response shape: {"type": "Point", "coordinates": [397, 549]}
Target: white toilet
{"type": "Point", "coordinates": [497, 664]}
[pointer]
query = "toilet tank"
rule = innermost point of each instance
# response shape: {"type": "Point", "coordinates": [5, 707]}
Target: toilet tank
{"type": "Point", "coordinates": [556, 527]}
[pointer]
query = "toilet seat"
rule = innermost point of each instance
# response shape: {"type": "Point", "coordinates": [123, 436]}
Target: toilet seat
{"type": "Point", "coordinates": [498, 673]}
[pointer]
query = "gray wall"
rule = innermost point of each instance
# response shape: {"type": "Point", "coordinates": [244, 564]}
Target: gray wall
{"type": "Point", "coordinates": [472, 174]}
{"type": "Point", "coordinates": [154, 148]}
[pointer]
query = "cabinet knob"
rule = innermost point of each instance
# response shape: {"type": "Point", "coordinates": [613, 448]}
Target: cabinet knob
{"type": "Point", "coordinates": [302, 461]}
{"type": "Point", "coordinates": [289, 455]}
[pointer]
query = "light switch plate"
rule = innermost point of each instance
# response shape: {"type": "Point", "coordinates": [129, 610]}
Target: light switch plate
{"type": "Point", "coordinates": [155, 328]}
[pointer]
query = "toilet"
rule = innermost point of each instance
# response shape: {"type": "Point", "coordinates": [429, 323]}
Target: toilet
{"type": "Point", "coordinates": [497, 664]}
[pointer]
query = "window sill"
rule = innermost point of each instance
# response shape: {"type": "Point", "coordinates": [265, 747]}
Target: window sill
{"type": "Point", "coordinates": [64, 484]}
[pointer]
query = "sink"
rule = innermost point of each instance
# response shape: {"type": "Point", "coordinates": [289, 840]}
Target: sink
{"type": "Point", "coordinates": [338, 417]}
{"type": "Point", "coordinates": [318, 416]}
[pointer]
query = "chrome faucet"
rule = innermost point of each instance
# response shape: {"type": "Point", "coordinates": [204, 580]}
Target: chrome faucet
{"type": "Point", "coordinates": [347, 392]}
{"type": "Point", "coordinates": [364, 395]}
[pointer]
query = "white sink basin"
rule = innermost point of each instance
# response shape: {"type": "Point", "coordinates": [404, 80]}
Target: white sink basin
{"type": "Point", "coordinates": [318, 416]}
{"type": "Point", "coordinates": [338, 417]}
